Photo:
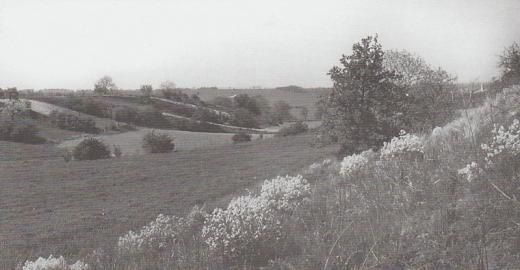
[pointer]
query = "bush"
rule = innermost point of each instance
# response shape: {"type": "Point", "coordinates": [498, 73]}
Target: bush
{"type": "Point", "coordinates": [158, 143]}
{"type": "Point", "coordinates": [293, 129]}
{"type": "Point", "coordinates": [23, 131]}
{"type": "Point", "coordinates": [91, 149]}
{"type": "Point", "coordinates": [72, 122]}
{"type": "Point", "coordinates": [244, 118]}
{"type": "Point", "coordinates": [117, 151]}
{"type": "Point", "coordinates": [241, 137]}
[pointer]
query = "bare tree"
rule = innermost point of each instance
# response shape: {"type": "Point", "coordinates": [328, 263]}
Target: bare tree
{"type": "Point", "coordinates": [104, 85]}
{"type": "Point", "coordinates": [146, 89]}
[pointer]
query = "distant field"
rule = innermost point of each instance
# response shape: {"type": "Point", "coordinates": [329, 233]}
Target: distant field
{"type": "Point", "coordinates": [306, 98]}
{"type": "Point", "coordinates": [49, 206]}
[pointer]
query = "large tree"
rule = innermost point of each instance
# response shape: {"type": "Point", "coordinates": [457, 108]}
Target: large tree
{"type": "Point", "coordinates": [365, 107]}
{"type": "Point", "coordinates": [430, 89]}
{"type": "Point", "coordinates": [104, 85]}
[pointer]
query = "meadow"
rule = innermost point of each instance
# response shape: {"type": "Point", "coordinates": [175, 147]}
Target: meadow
{"type": "Point", "coordinates": [53, 207]}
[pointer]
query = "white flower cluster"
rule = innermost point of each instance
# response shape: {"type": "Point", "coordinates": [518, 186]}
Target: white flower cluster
{"type": "Point", "coordinates": [157, 235]}
{"type": "Point", "coordinates": [253, 218]}
{"type": "Point", "coordinates": [505, 142]}
{"type": "Point", "coordinates": [471, 171]}
{"type": "Point", "coordinates": [353, 163]}
{"type": "Point", "coordinates": [403, 145]}
{"type": "Point", "coordinates": [53, 263]}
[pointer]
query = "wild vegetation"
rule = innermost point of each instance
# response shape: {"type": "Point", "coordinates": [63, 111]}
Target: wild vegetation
{"type": "Point", "coordinates": [420, 182]}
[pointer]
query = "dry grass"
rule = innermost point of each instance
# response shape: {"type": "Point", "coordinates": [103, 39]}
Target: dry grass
{"type": "Point", "coordinates": [49, 206]}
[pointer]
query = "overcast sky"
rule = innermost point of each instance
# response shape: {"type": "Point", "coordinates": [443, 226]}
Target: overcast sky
{"type": "Point", "coordinates": [239, 43]}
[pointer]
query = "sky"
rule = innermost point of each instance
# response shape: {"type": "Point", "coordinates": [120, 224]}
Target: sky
{"type": "Point", "coordinates": [239, 43]}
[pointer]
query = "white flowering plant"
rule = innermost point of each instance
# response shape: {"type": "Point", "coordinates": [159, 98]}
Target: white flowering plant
{"type": "Point", "coordinates": [504, 145]}
{"type": "Point", "coordinates": [407, 146]}
{"type": "Point", "coordinates": [53, 263]}
{"type": "Point", "coordinates": [158, 235]}
{"type": "Point", "coordinates": [350, 165]}
{"type": "Point", "coordinates": [251, 225]}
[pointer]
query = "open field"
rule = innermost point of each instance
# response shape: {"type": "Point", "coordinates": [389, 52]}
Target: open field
{"type": "Point", "coordinates": [68, 208]}
{"type": "Point", "coordinates": [130, 142]}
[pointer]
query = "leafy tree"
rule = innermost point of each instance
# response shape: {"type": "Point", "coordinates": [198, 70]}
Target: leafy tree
{"type": "Point", "coordinates": [146, 90]}
{"type": "Point", "coordinates": [430, 90]}
{"type": "Point", "coordinates": [244, 118]}
{"type": "Point", "coordinates": [168, 85]}
{"type": "Point", "coordinates": [365, 106]}
{"type": "Point", "coordinates": [281, 112]}
{"type": "Point", "coordinates": [510, 65]}
{"type": "Point", "coordinates": [104, 85]}
{"type": "Point", "coordinates": [248, 103]}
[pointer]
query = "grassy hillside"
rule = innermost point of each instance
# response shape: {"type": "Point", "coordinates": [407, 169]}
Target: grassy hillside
{"type": "Point", "coordinates": [69, 208]}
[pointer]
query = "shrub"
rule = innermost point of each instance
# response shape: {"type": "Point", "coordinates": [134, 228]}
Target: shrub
{"type": "Point", "coordinates": [53, 263]}
{"type": "Point", "coordinates": [251, 229]}
{"type": "Point", "coordinates": [158, 142]}
{"type": "Point", "coordinates": [241, 137]}
{"type": "Point", "coordinates": [244, 118]}
{"type": "Point", "coordinates": [23, 131]}
{"type": "Point", "coordinates": [404, 146]}
{"type": "Point", "coordinates": [90, 149]}
{"type": "Point", "coordinates": [72, 122]}
{"type": "Point", "coordinates": [293, 129]}
{"type": "Point", "coordinates": [117, 151]}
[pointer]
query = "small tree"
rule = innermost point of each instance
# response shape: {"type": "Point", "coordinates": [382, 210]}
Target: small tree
{"type": "Point", "coordinates": [510, 65]}
{"type": "Point", "coordinates": [158, 142]}
{"type": "Point", "coordinates": [91, 149]}
{"type": "Point", "coordinates": [281, 112]}
{"type": "Point", "coordinates": [146, 90]}
{"type": "Point", "coordinates": [364, 106]}
{"type": "Point", "coordinates": [104, 85]}
{"type": "Point", "coordinates": [168, 85]}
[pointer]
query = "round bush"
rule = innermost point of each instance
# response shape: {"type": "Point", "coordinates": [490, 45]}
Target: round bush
{"type": "Point", "coordinates": [158, 143]}
{"type": "Point", "coordinates": [241, 137]}
{"type": "Point", "coordinates": [90, 149]}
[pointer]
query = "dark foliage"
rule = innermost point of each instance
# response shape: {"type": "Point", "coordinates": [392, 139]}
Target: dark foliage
{"type": "Point", "coordinates": [158, 142]}
{"type": "Point", "coordinates": [20, 130]}
{"type": "Point", "coordinates": [91, 149]}
{"type": "Point", "coordinates": [293, 129]}
{"type": "Point", "coordinates": [72, 122]}
{"type": "Point", "coordinates": [241, 137]}
{"type": "Point", "coordinates": [244, 118]}
{"type": "Point", "coordinates": [364, 108]}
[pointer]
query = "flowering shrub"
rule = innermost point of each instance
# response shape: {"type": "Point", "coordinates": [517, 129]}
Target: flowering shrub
{"type": "Point", "coordinates": [353, 163]}
{"type": "Point", "coordinates": [157, 235]}
{"type": "Point", "coordinates": [252, 225]}
{"type": "Point", "coordinates": [505, 143]}
{"type": "Point", "coordinates": [53, 263]}
{"type": "Point", "coordinates": [471, 171]}
{"type": "Point", "coordinates": [405, 145]}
